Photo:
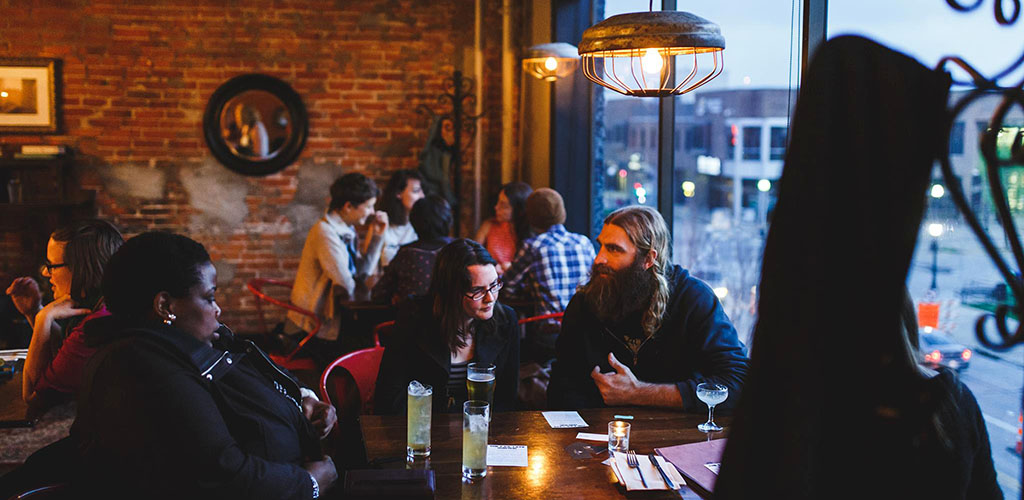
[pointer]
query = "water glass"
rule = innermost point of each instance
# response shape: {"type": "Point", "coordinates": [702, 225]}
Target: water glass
{"type": "Point", "coordinates": [418, 433]}
{"type": "Point", "coordinates": [618, 436]}
{"type": "Point", "coordinates": [475, 417]}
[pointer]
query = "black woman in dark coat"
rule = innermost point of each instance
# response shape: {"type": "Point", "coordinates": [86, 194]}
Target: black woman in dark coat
{"type": "Point", "coordinates": [173, 406]}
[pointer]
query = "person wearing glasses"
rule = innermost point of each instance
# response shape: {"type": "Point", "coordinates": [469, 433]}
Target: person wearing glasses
{"type": "Point", "coordinates": [459, 321]}
{"type": "Point", "coordinates": [75, 258]}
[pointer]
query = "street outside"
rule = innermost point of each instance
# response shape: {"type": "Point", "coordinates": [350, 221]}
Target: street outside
{"type": "Point", "coordinates": [995, 378]}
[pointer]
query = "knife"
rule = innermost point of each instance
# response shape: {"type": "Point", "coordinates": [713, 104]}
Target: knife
{"type": "Point", "coordinates": [668, 482]}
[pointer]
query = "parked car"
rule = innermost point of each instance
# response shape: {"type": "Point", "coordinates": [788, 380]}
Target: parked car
{"type": "Point", "coordinates": [938, 349]}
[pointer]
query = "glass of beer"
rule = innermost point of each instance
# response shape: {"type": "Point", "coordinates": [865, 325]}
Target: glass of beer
{"type": "Point", "coordinates": [480, 383]}
{"type": "Point", "coordinates": [418, 433]}
{"type": "Point", "coordinates": [475, 418]}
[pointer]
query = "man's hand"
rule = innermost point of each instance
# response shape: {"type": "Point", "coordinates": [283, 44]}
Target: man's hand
{"type": "Point", "coordinates": [619, 387]}
{"type": "Point", "coordinates": [322, 415]}
{"type": "Point", "coordinates": [26, 296]}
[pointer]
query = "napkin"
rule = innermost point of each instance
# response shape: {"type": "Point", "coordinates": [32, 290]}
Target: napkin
{"type": "Point", "coordinates": [631, 480]}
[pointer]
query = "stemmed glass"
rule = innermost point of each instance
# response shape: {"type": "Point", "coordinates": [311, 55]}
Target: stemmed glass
{"type": "Point", "coordinates": [711, 394]}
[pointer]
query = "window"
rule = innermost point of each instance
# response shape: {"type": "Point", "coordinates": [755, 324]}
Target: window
{"type": "Point", "coordinates": [697, 138]}
{"type": "Point", "coordinates": [966, 282]}
{"type": "Point", "coordinates": [777, 145]}
{"type": "Point", "coordinates": [956, 139]}
{"type": "Point", "coordinates": [751, 143]}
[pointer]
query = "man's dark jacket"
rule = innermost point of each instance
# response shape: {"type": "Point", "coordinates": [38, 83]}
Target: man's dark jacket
{"type": "Point", "coordinates": [419, 352]}
{"type": "Point", "coordinates": [695, 343]}
{"type": "Point", "coordinates": [162, 415]}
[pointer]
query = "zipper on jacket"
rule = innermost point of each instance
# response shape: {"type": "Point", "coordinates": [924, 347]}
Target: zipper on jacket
{"type": "Point", "coordinates": [252, 347]}
{"type": "Point", "coordinates": [636, 354]}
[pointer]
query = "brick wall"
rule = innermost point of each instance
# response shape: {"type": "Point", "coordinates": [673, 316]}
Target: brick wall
{"type": "Point", "coordinates": [136, 80]}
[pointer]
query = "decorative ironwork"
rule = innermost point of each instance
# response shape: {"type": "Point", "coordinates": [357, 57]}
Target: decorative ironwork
{"type": "Point", "coordinates": [993, 163]}
{"type": "Point", "coordinates": [455, 124]}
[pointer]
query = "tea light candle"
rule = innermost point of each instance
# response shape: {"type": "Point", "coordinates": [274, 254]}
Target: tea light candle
{"type": "Point", "coordinates": [618, 436]}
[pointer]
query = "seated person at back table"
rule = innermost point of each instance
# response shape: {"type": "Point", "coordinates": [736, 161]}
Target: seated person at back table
{"type": "Point", "coordinates": [459, 322]}
{"type": "Point", "coordinates": [410, 269]}
{"type": "Point", "coordinates": [331, 261]}
{"type": "Point", "coordinates": [174, 406]}
{"type": "Point", "coordinates": [57, 354]}
{"type": "Point", "coordinates": [643, 331]}
{"type": "Point", "coordinates": [403, 190]}
{"type": "Point", "coordinates": [547, 269]}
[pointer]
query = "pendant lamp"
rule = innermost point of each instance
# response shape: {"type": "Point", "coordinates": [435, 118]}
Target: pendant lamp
{"type": "Point", "coordinates": [632, 53]}
{"type": "Point", "coordinates": [550, 61]}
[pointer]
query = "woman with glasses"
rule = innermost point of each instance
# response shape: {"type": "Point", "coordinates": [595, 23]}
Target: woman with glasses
{"type": "Point", "coordinates": [75, 258]}
{"type": "Point", "coordinates": [458, 322]}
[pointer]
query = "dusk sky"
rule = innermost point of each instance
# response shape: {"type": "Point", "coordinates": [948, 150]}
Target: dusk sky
{"type": "Point", "coordinates": [758, 32]}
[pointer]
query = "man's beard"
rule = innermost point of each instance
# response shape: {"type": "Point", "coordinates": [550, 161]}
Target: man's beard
{"type": "Point", "coordinates": [612, 295]}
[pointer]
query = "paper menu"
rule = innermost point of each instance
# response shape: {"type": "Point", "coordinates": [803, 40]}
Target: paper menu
{"type": "Point", "coordinates": [629, 477]}
{"type": "Point", "coordinates": [564, 419]}
{"type": "Point", "coordinates": [512, 455]}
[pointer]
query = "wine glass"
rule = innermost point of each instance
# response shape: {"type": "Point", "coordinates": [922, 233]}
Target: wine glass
{"type": "Point", "coordinates": [711, 394]}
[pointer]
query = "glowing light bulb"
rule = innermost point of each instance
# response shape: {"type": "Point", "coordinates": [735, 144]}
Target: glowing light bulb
{"type": "Point", "coordinates": [935, 229]}
{"type": "Point", "coordinates": [550, 64]}
{"type": "Point", "coordinates": [3, 94]}
{"type": "Point", "coordinates": [938, 191]}
{"type": "Point", "coordinates": [651, 61]}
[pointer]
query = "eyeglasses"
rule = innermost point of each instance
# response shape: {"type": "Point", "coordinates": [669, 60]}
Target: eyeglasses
{"type": "Point", "coordinates": [479, 292]}
{"type": "Point", "coordinates": [48, 268]}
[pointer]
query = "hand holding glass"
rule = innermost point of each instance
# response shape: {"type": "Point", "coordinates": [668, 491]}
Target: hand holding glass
{"type": "Point", "coordinates": [711, 394]}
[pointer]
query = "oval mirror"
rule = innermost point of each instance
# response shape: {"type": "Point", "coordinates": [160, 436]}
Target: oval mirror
{"type": "Point", "coordinates": [255, 124]}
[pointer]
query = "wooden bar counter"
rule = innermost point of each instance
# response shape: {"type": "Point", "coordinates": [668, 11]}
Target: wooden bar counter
{"type": "Point", "coordinates": [552, 472]}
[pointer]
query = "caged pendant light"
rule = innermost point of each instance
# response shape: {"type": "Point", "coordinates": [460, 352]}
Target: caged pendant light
{"type": "Point", "coordinates": [632, 53]}
{"type": "Point", "coordinates": [550, 61]}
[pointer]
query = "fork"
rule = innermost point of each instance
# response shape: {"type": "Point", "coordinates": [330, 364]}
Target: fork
{"type": "Point", "coordinates": [635, 464]}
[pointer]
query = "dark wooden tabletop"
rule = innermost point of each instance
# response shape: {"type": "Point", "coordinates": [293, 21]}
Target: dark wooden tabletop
{"type": "Point", "coordinates": [552, 472]}
{"type": "Point", "coordinates": [12, 408]}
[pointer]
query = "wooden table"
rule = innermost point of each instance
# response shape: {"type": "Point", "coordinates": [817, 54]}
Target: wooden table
{"type": "Point", "coordinates": [552, 473]}
{"type": "Point", "coordinates": [20, 441]}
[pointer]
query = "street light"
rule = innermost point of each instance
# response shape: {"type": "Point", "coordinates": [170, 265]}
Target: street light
{"type": "Point", "coordinates": [935, 229]}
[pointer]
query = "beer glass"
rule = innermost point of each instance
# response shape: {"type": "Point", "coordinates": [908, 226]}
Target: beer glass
{"type": "Point", "coordinates": [475, 415]}
{"type": "Point", "coordinates": [418, 432]}
{"type": "Point", "coordinates": [480, 383]}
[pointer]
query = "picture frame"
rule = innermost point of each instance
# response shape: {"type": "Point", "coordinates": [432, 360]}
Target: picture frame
{"type": "Point", "coordinates": [255, 124]}
{"type": "Point", "coordinates": [29, 95]}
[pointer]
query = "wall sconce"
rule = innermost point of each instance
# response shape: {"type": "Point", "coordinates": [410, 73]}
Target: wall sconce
{"type": "Point", "coordinates": [550, 61]}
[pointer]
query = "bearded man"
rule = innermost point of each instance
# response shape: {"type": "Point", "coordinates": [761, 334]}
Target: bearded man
{"type": "Point", "coordinates": [642, 331]}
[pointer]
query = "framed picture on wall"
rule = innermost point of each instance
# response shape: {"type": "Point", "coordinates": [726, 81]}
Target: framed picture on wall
{"type": "Point", "coordinates": [28, 95]}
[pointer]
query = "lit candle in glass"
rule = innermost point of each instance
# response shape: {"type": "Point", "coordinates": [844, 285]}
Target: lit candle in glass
{"type": "Point", "coordinates": [618, 436]}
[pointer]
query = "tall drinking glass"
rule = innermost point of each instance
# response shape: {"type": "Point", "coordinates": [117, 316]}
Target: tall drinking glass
{"type": "Point", "coordinates": [418, 432]}
{"type": "Point", "coordinates": [480, 382]}
{"type": "Point", "coordinates": [711, 395]}
{"type": "Point", "coordinates": [475, 416]}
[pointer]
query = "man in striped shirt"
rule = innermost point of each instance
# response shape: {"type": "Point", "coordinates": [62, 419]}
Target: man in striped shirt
{"type": "Point", "coordinates": [547, 268]}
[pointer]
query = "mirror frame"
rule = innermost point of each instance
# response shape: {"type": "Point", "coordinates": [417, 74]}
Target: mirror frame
{"type": "Point", "coordinates": [215, 110]}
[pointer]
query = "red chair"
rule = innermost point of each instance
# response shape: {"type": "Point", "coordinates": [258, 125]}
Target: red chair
{"type": "Point", "coordinates": [288, 360]}
{"type": "Point", "coordinates": [557, 315]}
{"type": "Point", "coordinates": [363, 366]}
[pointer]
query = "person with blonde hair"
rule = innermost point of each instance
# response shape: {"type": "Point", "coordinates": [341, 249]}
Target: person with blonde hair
{"type": "Point", "coordinates": [643, 331]}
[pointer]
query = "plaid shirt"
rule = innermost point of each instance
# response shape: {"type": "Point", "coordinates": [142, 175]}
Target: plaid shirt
{"type": "Point", "coordinates": [548, 268]}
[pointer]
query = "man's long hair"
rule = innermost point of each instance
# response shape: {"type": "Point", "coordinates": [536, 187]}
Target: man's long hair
{"type": "Point", "coordinates": [647, 231]}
